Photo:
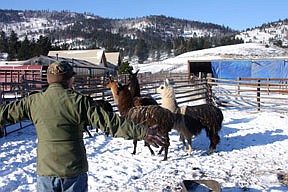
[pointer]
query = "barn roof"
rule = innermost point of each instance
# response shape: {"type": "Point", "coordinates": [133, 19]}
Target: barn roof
{"type": "Point", "coordinates": [112, 57]}
{"type": "Point", "coordinates": [94, 56]}
{"type": "Point", "coordinates": [47, 60]}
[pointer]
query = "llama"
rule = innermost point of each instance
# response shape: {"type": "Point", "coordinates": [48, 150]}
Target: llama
{"type": "Point", "coordinates": [134, 86]}
{"type": "Point", "coordinates": [192, 119]}
{"type": "Point", "coordinates": [112, 85]}
{"type": "Point", "coordinates": [101, 103]}
{"type": "Point", "coordinates": [134, 83]}
{"type": "Point", "coordinates": [142, 114]}
{"type": "Point", "coordinates": [147, 115]}
{"type": "Point", "coordinates": [123, 109]}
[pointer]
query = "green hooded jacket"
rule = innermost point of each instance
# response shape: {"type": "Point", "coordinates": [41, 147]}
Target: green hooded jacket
{"type": "Point", "coordinates": [60, 115]}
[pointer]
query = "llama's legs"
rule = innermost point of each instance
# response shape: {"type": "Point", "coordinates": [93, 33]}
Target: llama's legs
{"type": "Point", "coordinates": [214, 140]}
{"type": "Point", "coordinates": [150, 149]}
{"type": "Point", "coordinates": [160, 151]}
{"type": "Point", "coordinates": [145, 144]}
{"type": "Point", "coordinates": [135, 146]}
{"type": "Point", "coordinates": [86, 129]}
{"type": "Point", "coordinates": [165, 148]}
{"type": "Point", "coordinates": [189, 141]}
{"type": "Point", "coordinates": [166, 153]}
{"type": "Point", "coordinates": [183, 141]}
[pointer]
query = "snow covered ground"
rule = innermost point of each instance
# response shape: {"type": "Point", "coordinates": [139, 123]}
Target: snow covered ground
{"type": "Point", "coordinates": [250, 157]}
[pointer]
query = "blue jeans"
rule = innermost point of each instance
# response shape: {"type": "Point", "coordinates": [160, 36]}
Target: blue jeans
{"type": "Point", "coordinates": [57, 184]}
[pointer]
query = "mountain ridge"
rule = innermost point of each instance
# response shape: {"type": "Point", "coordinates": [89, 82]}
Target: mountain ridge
{"type": "Point", "coordinates": [155, 36]}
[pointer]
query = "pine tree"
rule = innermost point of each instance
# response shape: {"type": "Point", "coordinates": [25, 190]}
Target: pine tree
{"type": "Point", "coordinates": [142, 51]}
{"type": "Point", "coordinates": [3, 42]}
{"type": "Point", "coordinates": [25, 50]}
{"type": "Point", "coordinates": [124, 67]}
{"type": "Point", "coordinates": [13, 46]}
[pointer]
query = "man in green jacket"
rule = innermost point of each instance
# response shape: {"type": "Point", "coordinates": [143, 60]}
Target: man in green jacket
{"type": "Point", "coordinates": [60, 115]}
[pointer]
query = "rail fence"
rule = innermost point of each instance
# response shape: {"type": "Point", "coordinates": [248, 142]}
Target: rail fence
{"type": "Point", "coordinates": [256, 94]}
{"type": "Point", "coordinates": [251, 93]}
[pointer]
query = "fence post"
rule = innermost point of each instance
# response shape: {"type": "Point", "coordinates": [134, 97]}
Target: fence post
{"type": "Point", "coordinates": [209, 87]}
{"type": "Point", "coordinates": [238, 90]}
{"type": "Point", "coordinates": [258, 96]}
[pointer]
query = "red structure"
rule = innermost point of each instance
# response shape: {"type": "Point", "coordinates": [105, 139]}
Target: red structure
{"type": "Point", "coordinates": [15, 74]}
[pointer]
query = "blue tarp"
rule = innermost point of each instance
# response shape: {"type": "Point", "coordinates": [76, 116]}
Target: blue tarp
{"type": "Point", "coordinates": [252, 69]}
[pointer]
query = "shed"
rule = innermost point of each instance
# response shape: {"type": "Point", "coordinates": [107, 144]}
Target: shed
{"type": "Point", "coordinates": [260, 68]}
{"type": "Point", "coordinates": [239, 68]}
{"type": "Point", "coordinates": [199, 68]}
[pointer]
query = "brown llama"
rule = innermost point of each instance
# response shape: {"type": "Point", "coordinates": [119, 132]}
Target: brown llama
{"type": "Point", "coordinates": [123, 109]}
{"type": "Point", "coordinates": [142, 114]}
{"type": "Point", "coordinates": [134, 83]}
{"type": "Point", "coordinates": [134, 86]}
{"type": "Point", "coordinates": [101, 103]}
{"type": "Point", "coordinates": [147, 115]}
{"type": "Point", "coordinates": [112, 85]}
{"type": "Point", "coordinates": [192, 119]}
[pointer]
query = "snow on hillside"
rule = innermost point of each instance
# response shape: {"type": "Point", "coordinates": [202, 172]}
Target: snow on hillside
{"type": "Point", "coordinates": [264, 35]}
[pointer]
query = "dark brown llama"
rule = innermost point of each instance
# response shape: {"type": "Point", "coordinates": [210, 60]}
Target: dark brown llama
{"type": "Point", "coordinates": [101, 103]}
{"type": "Point", "coordinates": [192, 119]}
{"type": "Point", "coordinates": [134, 87]}
{"type": "Point", "coordinates": [147, 115]}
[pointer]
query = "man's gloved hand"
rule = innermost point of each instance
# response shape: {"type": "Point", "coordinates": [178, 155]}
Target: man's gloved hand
{"type": "Point", "coordinates": [155, 138]}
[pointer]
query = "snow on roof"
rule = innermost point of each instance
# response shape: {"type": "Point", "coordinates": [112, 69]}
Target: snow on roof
{"type": "Point", "coordinates": [93, 56]}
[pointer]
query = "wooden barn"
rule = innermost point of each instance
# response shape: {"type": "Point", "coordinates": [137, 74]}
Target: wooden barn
{"type": "Point", "coordinates": [97, 57]}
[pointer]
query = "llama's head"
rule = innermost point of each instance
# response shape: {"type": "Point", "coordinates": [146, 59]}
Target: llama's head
{"type": "Point", "coordinates": [166, 89]}
{"type": "Point", "coordinates": [168, 95]}
{"type": "Point", "coordinates": [134, 83]}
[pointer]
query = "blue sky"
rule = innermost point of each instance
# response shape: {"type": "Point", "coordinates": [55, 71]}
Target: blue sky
{"type": "Point", "coordinates": [236, 14]}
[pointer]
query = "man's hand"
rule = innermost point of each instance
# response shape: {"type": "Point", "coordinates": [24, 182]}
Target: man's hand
{"type": "Point", "coordinates": [155, 138]}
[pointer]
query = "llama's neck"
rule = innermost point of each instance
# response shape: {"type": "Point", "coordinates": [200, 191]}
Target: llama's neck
{"type": "Point", "coordinates": [125, 102]}
{"type": "Point", "coordinates": [135, 88]}
{"type": "Point", "coordinates": [115, 95]}
{"type": "Point", "coordinates": [169, 100]}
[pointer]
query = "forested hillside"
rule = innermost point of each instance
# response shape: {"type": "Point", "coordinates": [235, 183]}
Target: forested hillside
{"type": "Point", "coordinates": [142, 39]}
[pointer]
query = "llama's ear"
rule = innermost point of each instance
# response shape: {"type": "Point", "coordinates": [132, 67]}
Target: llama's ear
{"type": "Point", "coordinates": [119, 85]}
{"type": "Point", "coordinates": [137, 72]}
{"type": "Point", "coordinates": [166, 82]}
{"type": "Point", "coordinates": [129, 70]}
{"type": "Point", "coordinates": [110, 77]}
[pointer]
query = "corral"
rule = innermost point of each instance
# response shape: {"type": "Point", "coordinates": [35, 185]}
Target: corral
{"type": "Point", "coordinates": [251, 154]}
{"type": "Point", "coordinates": [255, 94]}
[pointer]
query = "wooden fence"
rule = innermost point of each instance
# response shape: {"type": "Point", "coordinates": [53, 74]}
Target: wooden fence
{"type": "Point", "coordinates": [255, 94]}
{"type": "Point", "coordinates": [251, 93]}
